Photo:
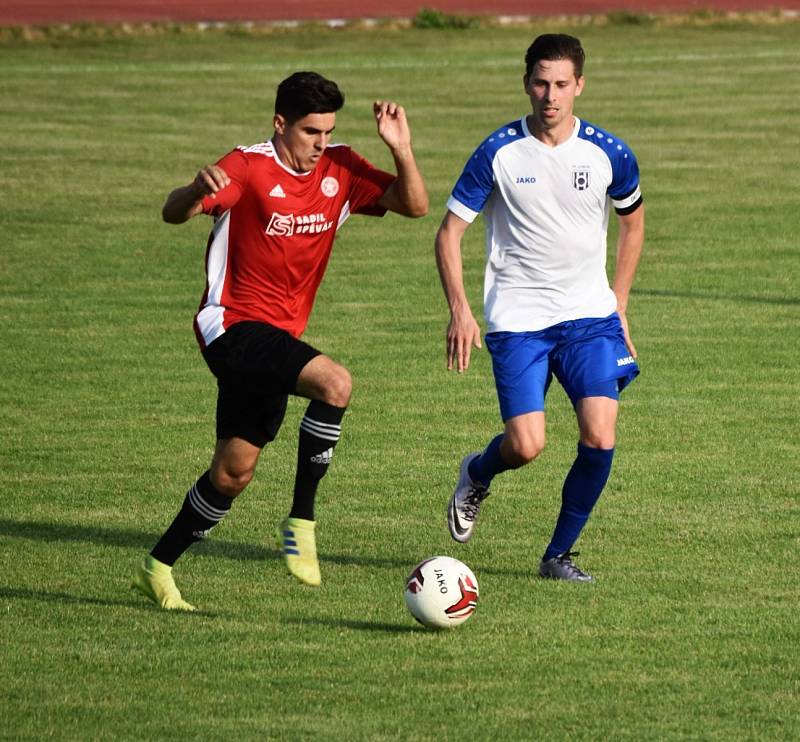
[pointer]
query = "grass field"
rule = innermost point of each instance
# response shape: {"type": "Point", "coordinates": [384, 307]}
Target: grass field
{"type": "Point", "coordinates": [692, 630]}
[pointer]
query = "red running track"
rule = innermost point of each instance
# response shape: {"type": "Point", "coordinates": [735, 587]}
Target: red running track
{"type": "Point", "coordinates": [41, 12]}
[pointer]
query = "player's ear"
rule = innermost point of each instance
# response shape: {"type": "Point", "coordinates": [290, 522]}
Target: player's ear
{"type": "Point", "coordinates": [579, 88]}
{"type": "Point", "coordinates": [525, 79]}
{"type": "Point", "coordinates": [279, 123]}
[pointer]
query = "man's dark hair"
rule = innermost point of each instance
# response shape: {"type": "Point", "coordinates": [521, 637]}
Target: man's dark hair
{"type": "Point", "coordinates": [307, 92]}
{"type": "Point", "coordinates": [553, 46]}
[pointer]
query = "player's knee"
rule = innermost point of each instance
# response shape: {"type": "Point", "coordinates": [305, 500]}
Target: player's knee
{"type": "Point", "coordinates": [229, 481]}
{"type": "Point", "coordinates": [599, 439]}
{"type": "Point", "coordinates": [521, 451]}
{"type": "Point", "coordinates": [339, 388]}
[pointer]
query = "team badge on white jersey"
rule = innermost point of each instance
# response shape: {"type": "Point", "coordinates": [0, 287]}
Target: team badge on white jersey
{"type": "Point", "coordinates": [329, 186]}
{"type": "Point", "coordinates": [580, 178]}
{"type": "Point", "coordinates": [277, 192]}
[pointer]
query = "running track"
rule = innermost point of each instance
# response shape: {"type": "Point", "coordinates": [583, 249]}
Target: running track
{"type": "Point", "coordinates": [40, 12]}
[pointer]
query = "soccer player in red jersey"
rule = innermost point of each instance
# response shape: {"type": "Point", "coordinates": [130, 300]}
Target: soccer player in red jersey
{"type": "Point", "coordinates": [277, 207]}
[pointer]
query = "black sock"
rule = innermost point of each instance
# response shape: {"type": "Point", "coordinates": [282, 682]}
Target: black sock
{"type": "Point", "coordinates": [319, 432]}
{"type": "Point", "coordinates": [202, 509]}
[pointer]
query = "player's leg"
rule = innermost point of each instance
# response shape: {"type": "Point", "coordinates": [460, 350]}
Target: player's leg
{"type": "Point", "coordinates": [328, 385]}
{"type": "Point", "coordinates": [209, 499]}
{"type": "Point", "coordinates": [248, 416]}
{"type": "Point", "coordinates": [207, 502]}
{"type": "Point", "coordinates": [583, 485]}
{"type": "Point", "coordinates": [592, 366]}
{"type": "Point", "coordinates": [521, 374]}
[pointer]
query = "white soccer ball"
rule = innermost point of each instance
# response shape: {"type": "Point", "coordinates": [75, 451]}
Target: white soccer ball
{"type": "Point", "coordinates": [441, 592]}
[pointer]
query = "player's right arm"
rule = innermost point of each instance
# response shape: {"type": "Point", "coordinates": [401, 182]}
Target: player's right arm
{"type": "Point", "coordinates": [184, 203]}
{"type": "Point", "coordinates": [463, 332]}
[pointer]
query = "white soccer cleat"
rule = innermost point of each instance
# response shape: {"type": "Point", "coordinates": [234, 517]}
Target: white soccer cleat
{"type": "Point", "coordinates": [465, 504]}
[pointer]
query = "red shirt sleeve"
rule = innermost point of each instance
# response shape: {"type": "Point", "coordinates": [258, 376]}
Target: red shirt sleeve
{"type": "Point", "coordinates": [369, 184]}
{"type": "Point", "coordinates": [235, 164]}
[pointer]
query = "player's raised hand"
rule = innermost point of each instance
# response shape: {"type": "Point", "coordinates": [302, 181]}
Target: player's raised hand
{"type": "Point", "coordinates": [392, 124]}
{"type": "Point", "coordinates": [209, 180]}
{"type": "Point", "coordinates": [463, 333]}
{"type": "Point", "coordinates": [187, 201]}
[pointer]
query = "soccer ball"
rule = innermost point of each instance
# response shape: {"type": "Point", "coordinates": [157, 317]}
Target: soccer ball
{"type": "Point", "coordinates": [441, 592]}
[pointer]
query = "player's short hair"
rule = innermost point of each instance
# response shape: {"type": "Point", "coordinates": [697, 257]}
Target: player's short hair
{"type": "Point", "coordinates": [553, 46]}
{"type": "Point", "coordinates": [307, 92]}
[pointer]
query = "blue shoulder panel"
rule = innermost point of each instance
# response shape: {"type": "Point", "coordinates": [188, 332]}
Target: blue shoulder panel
{"type": "Point", "coordinates": [476, 183]}
{"type": "Point", "coordinates": [624, 168]}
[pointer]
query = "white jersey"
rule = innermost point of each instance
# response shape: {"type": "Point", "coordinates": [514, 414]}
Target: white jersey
{"type": "Point", "coordinates": [546, 211]}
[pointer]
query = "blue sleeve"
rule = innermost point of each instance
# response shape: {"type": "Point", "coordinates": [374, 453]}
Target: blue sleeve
{"type": "Point", "coordinates": [624, 172]}
{"type": "Point", "coordinates": [476, 183]}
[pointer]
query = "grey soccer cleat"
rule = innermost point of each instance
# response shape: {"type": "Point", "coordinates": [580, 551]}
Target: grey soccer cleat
{"type": "Point", "coordinates": [465, 504]}
{"type": "Point", "coordinates": [562, 567]}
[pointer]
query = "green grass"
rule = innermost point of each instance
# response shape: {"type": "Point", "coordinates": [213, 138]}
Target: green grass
{"type": "Point", "coordinates": [107, 409]}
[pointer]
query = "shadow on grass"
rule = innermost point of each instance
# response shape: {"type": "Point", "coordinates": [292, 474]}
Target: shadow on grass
{"type": "Point", "coordinates": [51, 596]}
{"type": "Point", "coordinates": [344, 623]}
{"type": "Point", "coordinates": [127, 538]}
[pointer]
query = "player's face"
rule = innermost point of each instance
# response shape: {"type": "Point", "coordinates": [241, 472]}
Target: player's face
{"type": "Point", "coordinates": [301, 143]}
{"type": "Point", "coordinates": [552, 88]}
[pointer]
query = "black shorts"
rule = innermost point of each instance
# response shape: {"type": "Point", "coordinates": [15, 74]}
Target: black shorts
{"type": "Point", "coordinates": [256, 366]}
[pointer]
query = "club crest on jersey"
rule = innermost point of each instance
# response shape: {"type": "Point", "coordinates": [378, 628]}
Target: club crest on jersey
{"type": "Point", "coordinates": [329, 186]}
{"type": "Point", "coordinates": [580, 178]}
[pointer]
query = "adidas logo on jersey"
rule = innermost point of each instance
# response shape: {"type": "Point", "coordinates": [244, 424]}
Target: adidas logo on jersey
{"type": "Point", "coordinates": [277, 192]}
{"type": "Point", "coordinates": [323, 458]}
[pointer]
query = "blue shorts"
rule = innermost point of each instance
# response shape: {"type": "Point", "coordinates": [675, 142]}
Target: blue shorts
{"type": "Point", "coordinates": [587, 356]}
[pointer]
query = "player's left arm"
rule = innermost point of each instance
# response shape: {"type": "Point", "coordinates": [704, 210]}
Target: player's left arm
{"type": "Point", "coordinates": [407, 195]}
{"type": "Point", "coordinates": [629, 249]}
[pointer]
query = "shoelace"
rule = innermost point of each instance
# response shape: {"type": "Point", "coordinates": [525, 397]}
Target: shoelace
{"type": "Point", "coordinates": [473, 502]}
{"type": "Point", "coordinates": [566, 560]}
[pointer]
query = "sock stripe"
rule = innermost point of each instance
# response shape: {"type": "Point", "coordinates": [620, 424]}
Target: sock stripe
{"type": "Point", "coordinates": [325, 431]}
{"type": "Point", "coordinates": [200, 506]}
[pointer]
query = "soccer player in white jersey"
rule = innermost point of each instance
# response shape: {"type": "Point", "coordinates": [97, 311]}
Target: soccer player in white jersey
{"type": "Point", "coordinates": [546, 184]}
{"type": "Point", "coordinates": [277, 207]}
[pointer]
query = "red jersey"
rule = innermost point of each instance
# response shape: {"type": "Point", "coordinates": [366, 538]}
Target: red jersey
{"type": "Point", "coordinates": [273, 234]}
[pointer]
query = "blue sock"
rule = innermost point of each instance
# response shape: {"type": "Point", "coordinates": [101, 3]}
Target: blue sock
{"type": "Point", "coordinates": [582, 488]}
{"type": "Point", "coordinates": [489, 463]}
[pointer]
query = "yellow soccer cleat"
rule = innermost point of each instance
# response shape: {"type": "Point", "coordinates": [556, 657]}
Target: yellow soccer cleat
{"type": "Point", "coordinates": [153, 579]}
{"type": "Point", "coordinates": [298, 544]}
